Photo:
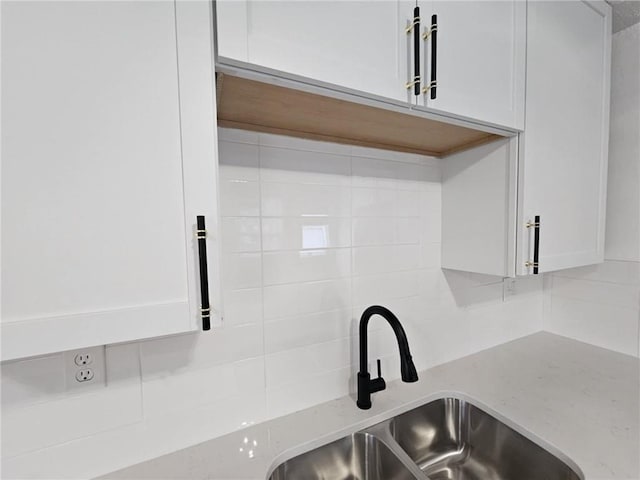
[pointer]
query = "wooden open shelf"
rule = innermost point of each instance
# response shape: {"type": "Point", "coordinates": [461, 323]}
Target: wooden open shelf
{"type": "Point", "coordinates": [263, 107]}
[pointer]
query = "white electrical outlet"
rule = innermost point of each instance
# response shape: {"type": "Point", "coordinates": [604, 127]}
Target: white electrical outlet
{"type": "Point", "coordinates": [83, 359]}
{"type": "Point", "coordinates": [85, 369]}
{"type": "Point", "coordinates": [84, 375]}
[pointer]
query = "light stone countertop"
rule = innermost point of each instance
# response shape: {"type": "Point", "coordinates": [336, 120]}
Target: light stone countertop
{"type": "Point", "coordinates": [577, 400]}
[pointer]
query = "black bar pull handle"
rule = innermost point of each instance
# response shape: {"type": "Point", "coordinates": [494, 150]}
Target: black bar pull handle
{"type": "Point", "coordinates": [536, 244]}
{"type": "Point", "coordinates": [205, 307]}
{"type": "Point", "coordinates": [416, 50]}
{"type": "Point", "coordinates": [415, 27]}
{"type": "Point", "coordinates": [433, 33]}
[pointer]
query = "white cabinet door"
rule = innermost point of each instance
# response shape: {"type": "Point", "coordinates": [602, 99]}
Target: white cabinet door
{"type": "Point", "coordinates": [100, 188]}
{"type": "Point", "coordinates": [563, 152]}
{"type": "Point", "coordinates": [479, 59]}
{"type": "Point", "coordinates": [355, 44]}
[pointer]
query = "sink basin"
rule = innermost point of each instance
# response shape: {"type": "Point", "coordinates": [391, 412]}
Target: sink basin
{"type": "Point", "coordinates": [446, 439]}
{"type": "Point", "coordinates": [451, 439]}
{"type": "Point", "coordinates": [360, 456]}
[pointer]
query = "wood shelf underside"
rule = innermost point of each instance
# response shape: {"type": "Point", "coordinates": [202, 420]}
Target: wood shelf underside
{"type": "Point", "coordinates": [263, 107]}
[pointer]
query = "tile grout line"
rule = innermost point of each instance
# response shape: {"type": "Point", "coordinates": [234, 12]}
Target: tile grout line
{"type": "Point", "coordinates": [262, 322]}
{"type": "Point", "coordinates": [353, 320]}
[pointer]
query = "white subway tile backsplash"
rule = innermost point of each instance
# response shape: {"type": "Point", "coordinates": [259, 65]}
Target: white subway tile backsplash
{"type": "Point", "coordinates": [295, 266]}
{"type": "Point", "coordinates": [430, 254]}
{"type": "Point", "coordinates": [301, 330]}
{"type": "Point", "coordinates": [614, 294]}
{"type": "Point", "coordinates": [301, 233]}
{"type": "Point", "coordinates": [170, 432]}
{"type": "Point", "coordinates": [310, 297]}
{"type": "Point", "coordinates": [240, 234]}
{"type": "Point", "coordinates": [241, 270]}
{"type": "Point", "coordinates": [608, 326]}
{"type": "Point", "coordinates": [387, 258]}
{"type": "Point", "coordinates": [32, 380]}
{"type": "Point", "coordinates": [288, 366]}
{"type": "Point", "coordinates": [242, 306]}
{"type": "Point", "coordinates": [390, 155]}
{"type": "Point", "coordinates": [374, 202]}
{"type": "Point", "coordinates": [374, 173]}
{"type": "Point", "coordinates": [431, 199]}
{"type": "Point", "coordinates": [407, 230]}
{"type": "Point", "coordinates": [239, 198]}
{"type": "Point", "coordinates": [308, 391]}
{"type": "Point", "coordinates": [408, 203]}
{"type": "Point", "coordinates": [293, 200]}
{"type": "Point", "coordinates": [627, 273]}
{"type": "Point", "coordinates": [239, 155]}
{"type": "Point", "coordinates": [373, 231]}
{"type": "Point", "coordinates": [225, 344]}
{"type": "Point", "coordinates": [241, 162]}
{"type": "Point", "coordinates": [417, 177]}
{"type": "Point", "coordinates": [598, 304]}
{"type": "Point", "coordinates": [372, 289]}
{"type": "Point", "coordinates": [191, 388]}
{"type": "Point", "coordinates": [284, 142]}
{"type": "Point", "coordinates": [493, 323]}
{"type": "Point", "coordinates": [301, 167]}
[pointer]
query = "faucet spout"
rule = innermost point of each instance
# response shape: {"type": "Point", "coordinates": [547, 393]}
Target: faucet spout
{"type": "Point", "coordinates": [408, 372]}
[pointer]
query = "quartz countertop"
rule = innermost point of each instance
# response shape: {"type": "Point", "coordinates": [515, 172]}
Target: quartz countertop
{"type": "Point", "coordinates": [572, 398]}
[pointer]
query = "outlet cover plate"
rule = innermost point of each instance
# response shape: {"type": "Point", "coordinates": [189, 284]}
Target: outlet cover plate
{"type": "Point", "coordinates": [97, 366]}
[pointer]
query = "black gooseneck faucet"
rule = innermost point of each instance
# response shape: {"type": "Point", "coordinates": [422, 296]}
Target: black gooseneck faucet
{"type": "Point", "coordinates": [366, 386]}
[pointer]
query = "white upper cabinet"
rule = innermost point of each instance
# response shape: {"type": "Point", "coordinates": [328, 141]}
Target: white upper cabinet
{"type": "Point", "coordinates": [354, 44]}
{"type": "Point", "coordinates": [564, 150]}
{"type": "Point", "coordinates": [371, 47]}
{"type": "Point", "coordinates": [559, 200]}
{"type": "Point", "coordinates": [476, 57]}
{"type": "Point", "coordinates": [108, 155]}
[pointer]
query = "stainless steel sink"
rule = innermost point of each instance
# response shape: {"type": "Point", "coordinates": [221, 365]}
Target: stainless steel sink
{"type": "Point", "coordinates": [360, 456]}
{"type": "Point", "coordinates": [451, 439]}
{"type": "Point", "coordinates": [447, 439]}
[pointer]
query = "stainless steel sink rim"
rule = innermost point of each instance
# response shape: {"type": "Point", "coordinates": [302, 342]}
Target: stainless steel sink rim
{"type": "Point", "coordinates": [382, 431]}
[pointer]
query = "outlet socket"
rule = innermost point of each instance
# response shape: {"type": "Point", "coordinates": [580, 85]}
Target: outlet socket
{"type": "Point", "coordinates": [85, 369]}
{"type": "Point", "coordinates": [83, 359]}
{"type": "Point", "coordinates": [84, 375]}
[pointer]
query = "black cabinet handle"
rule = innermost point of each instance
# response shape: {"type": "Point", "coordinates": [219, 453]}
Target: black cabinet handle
{"type": "Point", "coordinates": [432, 33]}
{"type": "Point", "coordinates": [416, 50]}
{"type": "Point", "coordinates": [434, 55]}
{"type": "Point", "coordinates": [205, 308]}
{"type": "Point", "coordinates": [415, 27]}
{"type": "Point", "coordinates": [536, 244]}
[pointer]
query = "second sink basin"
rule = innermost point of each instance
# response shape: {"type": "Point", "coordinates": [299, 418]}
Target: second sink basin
{"type": "Point", "coordinates": [451, 439]}
{"type": "Point", "coordinates": [446, 439]}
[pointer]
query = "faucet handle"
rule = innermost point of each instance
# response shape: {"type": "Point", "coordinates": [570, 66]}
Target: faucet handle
{"type": "Point", "coordinates": [377, 384]}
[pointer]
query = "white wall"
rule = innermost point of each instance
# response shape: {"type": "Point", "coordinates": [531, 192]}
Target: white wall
{"type": "Point", "coordinates": [601, 304]}
{"type": "Point", "coordinates": [312, 234]}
